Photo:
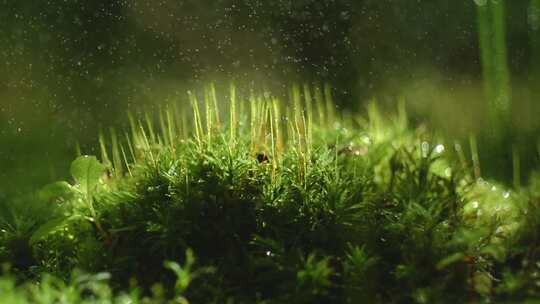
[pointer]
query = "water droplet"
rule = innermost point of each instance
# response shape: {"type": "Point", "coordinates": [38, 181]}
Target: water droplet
{"type": "Point", "coordinates": [269, 253]}
{"type": "Point", "coordinates": [475, 204]}
{"type": "Point", "coordinates": [366, 140]}
{"type": "Point", "coordinates": [506, 194]}
{"type": "Point", "coordinates": [439, 149]}
{"type": "Point", "coordinates": [448, 172]}
{"type": "Point", "coordinates": [425, 149]}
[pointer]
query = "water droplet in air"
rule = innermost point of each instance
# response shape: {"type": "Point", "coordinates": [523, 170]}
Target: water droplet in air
{"type": "Point", "coordinates": [506, 194]}
{"type": "Point", "coordinates": [475, 204]}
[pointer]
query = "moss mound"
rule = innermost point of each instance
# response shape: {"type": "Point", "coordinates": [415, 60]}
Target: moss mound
{"type": "Point", "coordinates": [262, 207]}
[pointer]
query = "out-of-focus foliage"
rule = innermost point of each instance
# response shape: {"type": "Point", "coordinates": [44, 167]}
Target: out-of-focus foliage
{"type": "Point", "coordinates": [94, 288]}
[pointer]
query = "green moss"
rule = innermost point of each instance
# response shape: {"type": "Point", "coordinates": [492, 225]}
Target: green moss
{"type": "Point", "coordinates": [303, 209]}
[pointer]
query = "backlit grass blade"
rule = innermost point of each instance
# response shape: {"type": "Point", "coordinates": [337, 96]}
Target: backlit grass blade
{"type": "Point", "coordinates": [493, 54]}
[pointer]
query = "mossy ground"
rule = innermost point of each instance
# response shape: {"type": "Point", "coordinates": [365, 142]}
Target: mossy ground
{"type": "Point", "coordinates": [273, 204]}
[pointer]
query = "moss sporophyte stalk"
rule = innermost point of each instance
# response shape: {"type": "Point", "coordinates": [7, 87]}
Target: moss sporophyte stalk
{"type": "Point", "coordinates": [249, 199]}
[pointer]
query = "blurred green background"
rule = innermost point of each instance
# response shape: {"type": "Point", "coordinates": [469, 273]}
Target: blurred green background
{"type": "Point", "coordinates": [68, 68]}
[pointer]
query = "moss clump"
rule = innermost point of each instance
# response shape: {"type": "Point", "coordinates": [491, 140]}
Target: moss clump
{"type": "Point", "coordinates": [305, 209]}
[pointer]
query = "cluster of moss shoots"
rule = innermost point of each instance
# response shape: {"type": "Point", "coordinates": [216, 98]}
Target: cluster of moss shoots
{"type": "Point", "coordinates": [272, 202]}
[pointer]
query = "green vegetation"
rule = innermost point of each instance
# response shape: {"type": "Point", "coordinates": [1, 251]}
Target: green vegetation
{"type": "Point", "coordinates": [298, 204]}
{"type": "Point", "coordinates": [534, 25]}
{"type": "Point", "coordinates": [493, 54]}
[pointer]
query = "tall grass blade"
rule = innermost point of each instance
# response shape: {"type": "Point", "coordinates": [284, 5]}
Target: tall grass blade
{"type": "Point", "coordinates": [329, 100]}
{"type": "Point", "coordinates": [116, 154]}
{"type": "Point", "coordinates": [493, 53]}
{"type": "Point", "coordinates": [232, 113]}
{"type": "Point", "coordinates": [103, 150]}
{"type": "Point", "coordinates": [474, 155]}
{"type": "Point", "coordinates": [516, 167]}
{"type": "Point", "coordinates": [213, 97]}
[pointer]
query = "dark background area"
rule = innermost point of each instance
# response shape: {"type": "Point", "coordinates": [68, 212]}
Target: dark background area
{"type": "Point", "coordinates": [69, 67]}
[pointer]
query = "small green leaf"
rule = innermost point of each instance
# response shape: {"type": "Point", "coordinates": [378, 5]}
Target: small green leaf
{"type": "Point", "coordinates": [48, 228]}
{"type": "Point", "coordinates": [86, 170]}
{"type": "Point", "coordinates": [451, 259]}
{"type": "Point", "coordinates": [54, 191]}
{"type": "Point", "coordinates": [441, 168]}
{"type": "Point", "coordinates": [184, 276]}
{"type": "Point", "coordinates": [482, 283]}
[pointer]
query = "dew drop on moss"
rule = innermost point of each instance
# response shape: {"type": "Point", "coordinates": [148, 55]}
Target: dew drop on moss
{"type": "Point", "coordinates": [439, 149]}
{"type": "Point", "coordinates": [425, 149]}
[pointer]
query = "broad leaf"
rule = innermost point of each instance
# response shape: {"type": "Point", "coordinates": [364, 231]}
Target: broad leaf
{"type": "Point", "coordinates": [449, 260]}
{"type": "Point", "coordinates": [86, 170]}
{"type": "Point", "coordinates": [48, 228]}
{"type": "Point", "coordinates": [54, 191]}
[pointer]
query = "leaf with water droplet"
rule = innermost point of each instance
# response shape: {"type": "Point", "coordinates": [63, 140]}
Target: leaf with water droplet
{"type": "Point", "coordinates": [87, 170]}
{"type": "Point", "coordinates": [54, 191]}
{"type": "Point", "coordinates": [49, 227]}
